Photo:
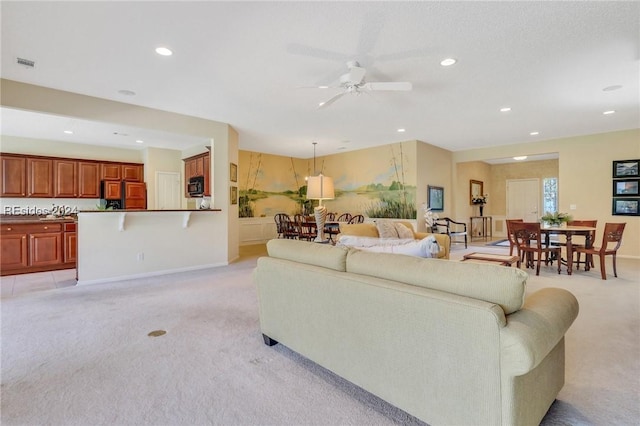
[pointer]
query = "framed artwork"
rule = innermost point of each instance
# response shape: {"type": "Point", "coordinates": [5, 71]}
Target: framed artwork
{"type": "Point", "coordinates": [233, 172]}
{"type": "Point", "coordinates": [626, 206]}
{"type": "Point", "coordinates": [435, 200]}
{"type": "Point", "coordinates": [233, 195]}
{"type": "Point", "coordinates": [476, 190]}
{"type": "Point", "coordinates": [626, 168]}
{"type": "Point", "coordinates": [626, 187]}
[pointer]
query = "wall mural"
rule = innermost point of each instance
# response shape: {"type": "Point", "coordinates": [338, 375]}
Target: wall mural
{"type": "Point", "coordinates": [375, 182]}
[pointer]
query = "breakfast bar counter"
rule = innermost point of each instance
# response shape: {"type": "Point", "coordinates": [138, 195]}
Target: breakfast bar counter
{"type": "Point", "coordinates": [124, 244]}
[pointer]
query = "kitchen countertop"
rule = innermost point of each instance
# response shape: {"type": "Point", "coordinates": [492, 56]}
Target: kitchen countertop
{"type": "Point", "coordinates": [35, 219]}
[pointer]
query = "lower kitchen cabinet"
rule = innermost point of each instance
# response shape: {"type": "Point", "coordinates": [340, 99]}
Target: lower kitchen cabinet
{"type": "Point", "coordinates": [37, 247]}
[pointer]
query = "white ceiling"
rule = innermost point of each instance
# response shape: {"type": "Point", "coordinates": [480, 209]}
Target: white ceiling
{"type": "Point", "coordinates": [246, 63]}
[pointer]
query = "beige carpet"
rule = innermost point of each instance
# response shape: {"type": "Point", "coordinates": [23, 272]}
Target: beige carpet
{"type": "Point", "coordinates": [82, 356]}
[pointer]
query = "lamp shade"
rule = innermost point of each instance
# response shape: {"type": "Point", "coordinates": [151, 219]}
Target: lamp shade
{"type": "Point", "coordinates": [320, 188]}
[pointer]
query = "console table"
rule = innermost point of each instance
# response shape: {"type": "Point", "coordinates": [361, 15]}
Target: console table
{"type": "Point", "coordinates": [483, 228]}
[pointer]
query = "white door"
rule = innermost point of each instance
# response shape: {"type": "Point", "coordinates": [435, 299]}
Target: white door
{"type": "Point", "coordinates": [168, 195]}
{"type": "Point", "coordinates": [523, 199]}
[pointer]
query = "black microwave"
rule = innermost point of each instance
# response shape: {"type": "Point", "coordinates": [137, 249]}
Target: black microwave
{"type": "Point", "coordinates": [195, 187]}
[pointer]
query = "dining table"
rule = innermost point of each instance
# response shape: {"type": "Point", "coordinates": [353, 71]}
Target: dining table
{"type": "Point", "coordinates": [568, 231]}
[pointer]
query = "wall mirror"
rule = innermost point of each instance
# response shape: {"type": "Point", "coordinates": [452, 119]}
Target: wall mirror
{"type": "Point", "coordinates": [475, 189]}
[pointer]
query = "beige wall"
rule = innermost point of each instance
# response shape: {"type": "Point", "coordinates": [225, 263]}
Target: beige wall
{"type": "Point", "coordinates": [433, 168]}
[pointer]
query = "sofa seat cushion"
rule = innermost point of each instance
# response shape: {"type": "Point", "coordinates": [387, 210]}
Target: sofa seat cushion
{"type": "Point", "coordinates": [308, 252]}
{"type": "Point", "coordinates": [491, 283]}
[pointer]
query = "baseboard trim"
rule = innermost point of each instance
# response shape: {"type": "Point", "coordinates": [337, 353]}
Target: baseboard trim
{"type": "Point", "coordinates": [151, 274]}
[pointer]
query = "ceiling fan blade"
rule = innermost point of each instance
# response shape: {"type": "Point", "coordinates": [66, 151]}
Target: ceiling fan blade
{"type": "Point", "coordinates": [331, 100]}
{"type": "Point", "coordinates": [390, 85]}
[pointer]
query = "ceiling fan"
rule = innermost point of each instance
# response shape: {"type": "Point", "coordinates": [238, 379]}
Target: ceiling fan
{"type": "Point", "coordinates": [353, 82]}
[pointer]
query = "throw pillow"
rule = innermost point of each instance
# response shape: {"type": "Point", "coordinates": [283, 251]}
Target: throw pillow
{"type": "Point", "coordinates": [403, 231]}
{"type": "Point", "coordinates": [386, 229]}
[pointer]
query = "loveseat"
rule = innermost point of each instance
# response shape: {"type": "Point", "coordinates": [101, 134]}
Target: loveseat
{"type": "Point", "coordinates": [448, 342]}
{"type": "Point", "coordinates": [372, 230]}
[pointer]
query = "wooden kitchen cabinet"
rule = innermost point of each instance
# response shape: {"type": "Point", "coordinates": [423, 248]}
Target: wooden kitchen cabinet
{"type": "Point", "coordinates": [207, 172]}
{"type": "Point", "coordinates": [65, 178]}
{"type": "Point", "coordinates": [110, 171]}
{"type": "Point", "coordinates": [39, 177]}
{"type": "Point", "coordinates": [199, 165]}
{"type": "Point", "coordinates": [132, 172]}
{"type": "Point", "coordinates": [33, 247]}
{"type": "Point", "coordinates": [13, 172]}
{"type": "Point", "coordinates": [14, 251]}
{"type": "Point", "coordinates": [88, 179]}
{"type": "Point", "coordinates": [70, 243]}
{"type": "Point", "coordinates": [112, 190]}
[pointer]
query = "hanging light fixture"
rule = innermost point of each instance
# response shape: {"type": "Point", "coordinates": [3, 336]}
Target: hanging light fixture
{"type": "Point", "coordinates": [319, 188]}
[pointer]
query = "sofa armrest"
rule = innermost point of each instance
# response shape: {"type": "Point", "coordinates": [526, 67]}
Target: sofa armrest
{"type": "Point", "coordinates": [533, 331]}
{"type": "Point", "coordinates": [442, 239]}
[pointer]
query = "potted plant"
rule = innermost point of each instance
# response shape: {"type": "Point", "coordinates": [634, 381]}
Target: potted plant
{"type": "Point", "coordinates": [555, 219]}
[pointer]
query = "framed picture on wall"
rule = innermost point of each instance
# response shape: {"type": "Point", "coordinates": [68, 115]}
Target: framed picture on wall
{"type": "Point", "coordinates": [626, 206]}
{"type": "Point", "coordinates": [626, 187]}
{"type": "Point", "coordinates": [626, 168]}
{"type": "Point", "coordinates": [233, 172]}
{"type": "Point", "coordinates": [476, 190]}
{"type": "Point", "coordinates": [435, 200]}
{"type": "Point", "coordinates": [233, 195]}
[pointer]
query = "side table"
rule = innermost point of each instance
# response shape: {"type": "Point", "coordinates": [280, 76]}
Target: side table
{"type": "Point", "coordinates": [483, 228]}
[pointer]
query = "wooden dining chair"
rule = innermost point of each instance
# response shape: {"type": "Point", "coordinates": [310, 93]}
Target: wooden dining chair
{"type": "Point", "coordinates": [305, 227]}
{"type": "Point", "coordinates": [592, 236]}
{"type": "Point", "coordinates": [611, 240]}
{"type": "Point", "coordinates": [512, 242]}
{"type": "Point", "coordinates": [356, 219]}
{"type": "Point", "coordinates": [285, 226]}
{"type": "Point", "coordinates": [344, 217]}
{"type": "Point", "coordinates": [528, 238]}
{"type": "Point", "coordinates": [331, 217]}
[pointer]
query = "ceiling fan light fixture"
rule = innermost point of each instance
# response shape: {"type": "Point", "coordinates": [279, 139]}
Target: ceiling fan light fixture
{"type": "Point", "coordinates": [448, 62]}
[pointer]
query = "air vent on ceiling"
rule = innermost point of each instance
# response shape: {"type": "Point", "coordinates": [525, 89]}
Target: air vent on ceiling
{"type": "Point", "coordinates": [26, 62]}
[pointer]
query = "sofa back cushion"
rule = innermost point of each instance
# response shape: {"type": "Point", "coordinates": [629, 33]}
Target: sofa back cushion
{"type": "Point", "coordinates": [359, 229]}
{"type": "Point", "coordinates": [491, 283]}
{"type": "Point", "coordinates": [308, 252]}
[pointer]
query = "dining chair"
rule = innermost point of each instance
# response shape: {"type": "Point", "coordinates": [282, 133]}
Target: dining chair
{"type": "Point", "coordinates": [344, 217]}
{"type": "Point", "coordinates": [457, 231]}
{"type": "Point", "coordinates": [285, 226]}
{"type": "Point", "coordinates": [528, 238]}
{"type": "Point", "coordinates": [592, 236]}
{"type": "Point", "coordinates": [611, 240]}
{"type": "Point", "coordinates": [356, 219]}
{"type": "Point", "coordinates": [306, 229]}
{"type": "Point", "coordinates": [512, 242]}
{"type": "Point", "coordinates": [331, 217]}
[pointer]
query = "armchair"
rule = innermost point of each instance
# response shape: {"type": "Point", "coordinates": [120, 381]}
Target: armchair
{"type": "Point", "coordinates": [457, 231]}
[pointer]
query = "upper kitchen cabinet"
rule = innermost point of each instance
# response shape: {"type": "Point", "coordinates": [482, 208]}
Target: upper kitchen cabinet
{"type": "Point", "coordinates": [110, 171]}
{"type": "Point", "coordinates": [39, 177]}
{"type": "Point", "coordinates": [13, 176]}
{"type": "Point", "coordinates": [88, 179]}
{"type": "Point", "coordinates": [65, 178]}
{"type": "Point", "coordinates": [133, 172]}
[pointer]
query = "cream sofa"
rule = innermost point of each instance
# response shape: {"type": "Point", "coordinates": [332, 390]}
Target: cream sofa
{"type": "Point", "coordinates": [448, 342]}
{"type": "Point", "coordinates": [369, 229]}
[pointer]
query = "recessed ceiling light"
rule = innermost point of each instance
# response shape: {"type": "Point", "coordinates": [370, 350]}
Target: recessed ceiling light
{"type": "Point", "coordinates": [139, 141]}
{"type": "Point", "coordinates": [126, 92]}
{"type": "Point", "coordinates": [323, 87]}
{"type": "Point", "coordinates": [69, 132]}
{"type": "Point", "coordinates": [609, 112]}
{"type": "Point", "coordinates": [320, 104]}
{"type": "Point", "coordinates": [534, 133]}
{"type": "Point", "coordinates": [520, 158]}
{"type": "Point", "coordinates": [401, 130]}
{"type": "Point", "coordinates": [612, 88]}
{"type": "Point", "coordinates": [164, 51]}
{"type": "Point", "coordinates": [448, 62]}
{"type": "Point", "coordinates": [505, 109]}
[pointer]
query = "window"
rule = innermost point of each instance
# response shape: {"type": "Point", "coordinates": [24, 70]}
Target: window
{"type": "Point", "coordinates": [550, 194]}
